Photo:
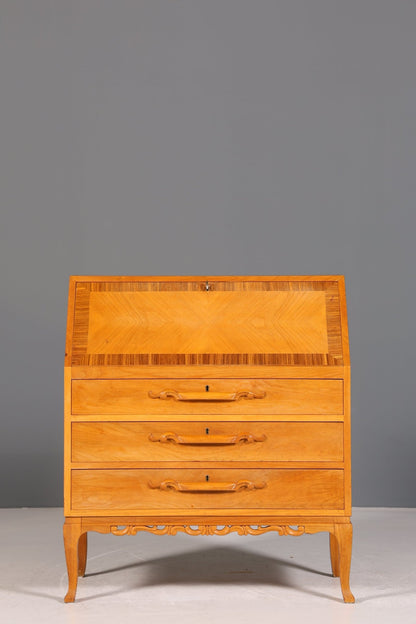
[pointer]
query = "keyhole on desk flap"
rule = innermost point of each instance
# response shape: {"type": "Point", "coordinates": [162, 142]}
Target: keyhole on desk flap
{"type": "Point", "coordinates": [206, 478]}
{"type": "Point", "coordinates": [206, 388]}
{"type": "Point", "coordinates": [207, 431]}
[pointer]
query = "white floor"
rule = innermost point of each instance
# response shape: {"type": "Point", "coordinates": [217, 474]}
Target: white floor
{"type": "Point", "coordinates": [185, 579]}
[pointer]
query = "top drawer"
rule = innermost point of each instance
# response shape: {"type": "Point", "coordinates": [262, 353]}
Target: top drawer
{"type": "Point", "coordinates": [210, 396]}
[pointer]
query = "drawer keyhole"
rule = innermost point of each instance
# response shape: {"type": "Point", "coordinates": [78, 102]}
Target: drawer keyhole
{"type": "Point", "coordinates": [206, 388]}
{"type": "Point", "coordinates": [206, 477]}
{"type": "Point", "coordinates": [207, 431]}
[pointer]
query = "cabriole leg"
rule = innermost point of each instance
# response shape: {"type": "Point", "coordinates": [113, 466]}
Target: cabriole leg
{"type": "Point", "coordinates": [82, 554]}
{"type": "Point", "coordinates": [334, 550]}
{"type": "Point", "coordinates": [72, 533]}
{"type": "Point", "coordinates": [343, 534]}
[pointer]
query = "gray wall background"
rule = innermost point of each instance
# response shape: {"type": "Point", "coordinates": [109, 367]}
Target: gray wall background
{"type": "Point", "coordinates": [208, 137]}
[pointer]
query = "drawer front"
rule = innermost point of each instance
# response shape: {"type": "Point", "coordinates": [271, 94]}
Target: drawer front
{"type": "Point", "coordinates": [211, 396]}
{"type": "Point", "coordinates": [139, 489]}
{"type": "Point", "coordinates": [209, 441]}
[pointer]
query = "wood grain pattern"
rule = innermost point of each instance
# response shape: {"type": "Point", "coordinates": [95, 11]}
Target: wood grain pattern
{"type": "Point", "coordinates": [70, 322]}
{"type": "Point", "coordinates": [149, 322]}
{"type": "Point", "coordinates": [334, 554]}
{"type": "Point", "coordinates": [257, 441]}
{"type": "Point", "coordinates": [207, 396]}
{"type": "Point", "coordinates": [103, 522]}
{"type": "Point", "coordinates": [343, 534]}
{"type": "Point", "coordinates": [129, 489]}
{"type": "Point", "coordinates": [203, 417]}
{"type": "Point", "coordinates": [288, 396]}
{"type": "Point", "coordinates": [67, 441]}
{"type": "Point", "coordinates": [206, 371]}
{"type": "Point", "coordinates": [261, 322]}
{"type": "Point", "coordinates": [186, 513]}
{"type": "Point", "coordinates": [263, 464]}
{"type": "Point", "coordinates": [207, 439]}
{"type": "Point", "coordinates": [72, 533]}
{"type": "Point", "coordinates": [142, 355]}
{"type": "Point", "coordinates": [120, 279]}
{"type": "Point", "coordinates": [82, 554]}
{"type": "Point", "coordinates": [197, 487]}
{"type": "Point", "coordinates": [347, 439]}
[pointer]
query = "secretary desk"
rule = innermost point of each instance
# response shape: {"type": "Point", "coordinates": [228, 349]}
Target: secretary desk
{"type": "Point", "coordinates": [207, 405]}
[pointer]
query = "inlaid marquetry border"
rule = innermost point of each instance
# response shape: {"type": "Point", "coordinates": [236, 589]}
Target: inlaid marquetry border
{"type": "Point", "coordinates": [80, 356]}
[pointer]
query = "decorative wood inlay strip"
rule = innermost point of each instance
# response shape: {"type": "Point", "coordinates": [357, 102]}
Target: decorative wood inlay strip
{"type": "Point", "coordinates": [333, 316]}
{"type": "Point", "coordinates": [200, 285]}
{"type": "Point", "coordinates": [214, 359]}
{"type": "Point", "coordinates": [81, 318]}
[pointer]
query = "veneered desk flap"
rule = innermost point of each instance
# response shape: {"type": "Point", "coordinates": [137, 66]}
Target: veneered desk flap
{"type": "Point", "coordinates": [262, 321]}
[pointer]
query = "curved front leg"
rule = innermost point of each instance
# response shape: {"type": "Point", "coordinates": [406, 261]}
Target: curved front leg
{"type": "Point", "coordinates": [82, 554]}
{"type": "Point", "coordinates": [343, 534]}
{"type": "Point", "coordinates": [72, 534]}
{"type": "Point", "coordinates": [334, 551]}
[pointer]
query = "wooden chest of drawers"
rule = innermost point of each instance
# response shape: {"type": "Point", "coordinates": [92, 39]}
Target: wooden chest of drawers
{"type": "Point", "coordinates": [207, 405]}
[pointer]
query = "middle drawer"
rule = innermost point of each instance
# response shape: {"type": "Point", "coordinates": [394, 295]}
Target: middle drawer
{"type": "Point", "coordinates": [209, 441]}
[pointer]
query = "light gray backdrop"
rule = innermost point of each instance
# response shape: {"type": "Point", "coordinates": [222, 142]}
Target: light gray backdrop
{"type": "Point", "coordinates": [208, 137]}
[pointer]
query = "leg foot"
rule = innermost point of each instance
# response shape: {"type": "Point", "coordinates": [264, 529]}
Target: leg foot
{"type": "Point", "coordinates": [82, 554]}
{"type": "Point", "coordinates": [72, 533]}
{"type": "Point", "coordinates": [334, 550]}
{"type": "Point", "coordinates": [343, 534]}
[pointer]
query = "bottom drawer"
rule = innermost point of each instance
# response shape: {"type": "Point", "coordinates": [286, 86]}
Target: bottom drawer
{"type": "Point", "coordinates": [139, 489]}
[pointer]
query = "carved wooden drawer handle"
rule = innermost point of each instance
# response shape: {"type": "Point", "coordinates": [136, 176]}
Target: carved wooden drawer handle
{"type": "Point", "coordinates": [207, 440]}
{"type": "Point", "coordinates": [206, 486]}
{"type": "Point", "coordinates": [206, 396]}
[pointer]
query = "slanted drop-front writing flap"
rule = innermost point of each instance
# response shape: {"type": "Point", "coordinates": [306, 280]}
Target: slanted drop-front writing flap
{"type": "Point", "coordinates": [276, 322]}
